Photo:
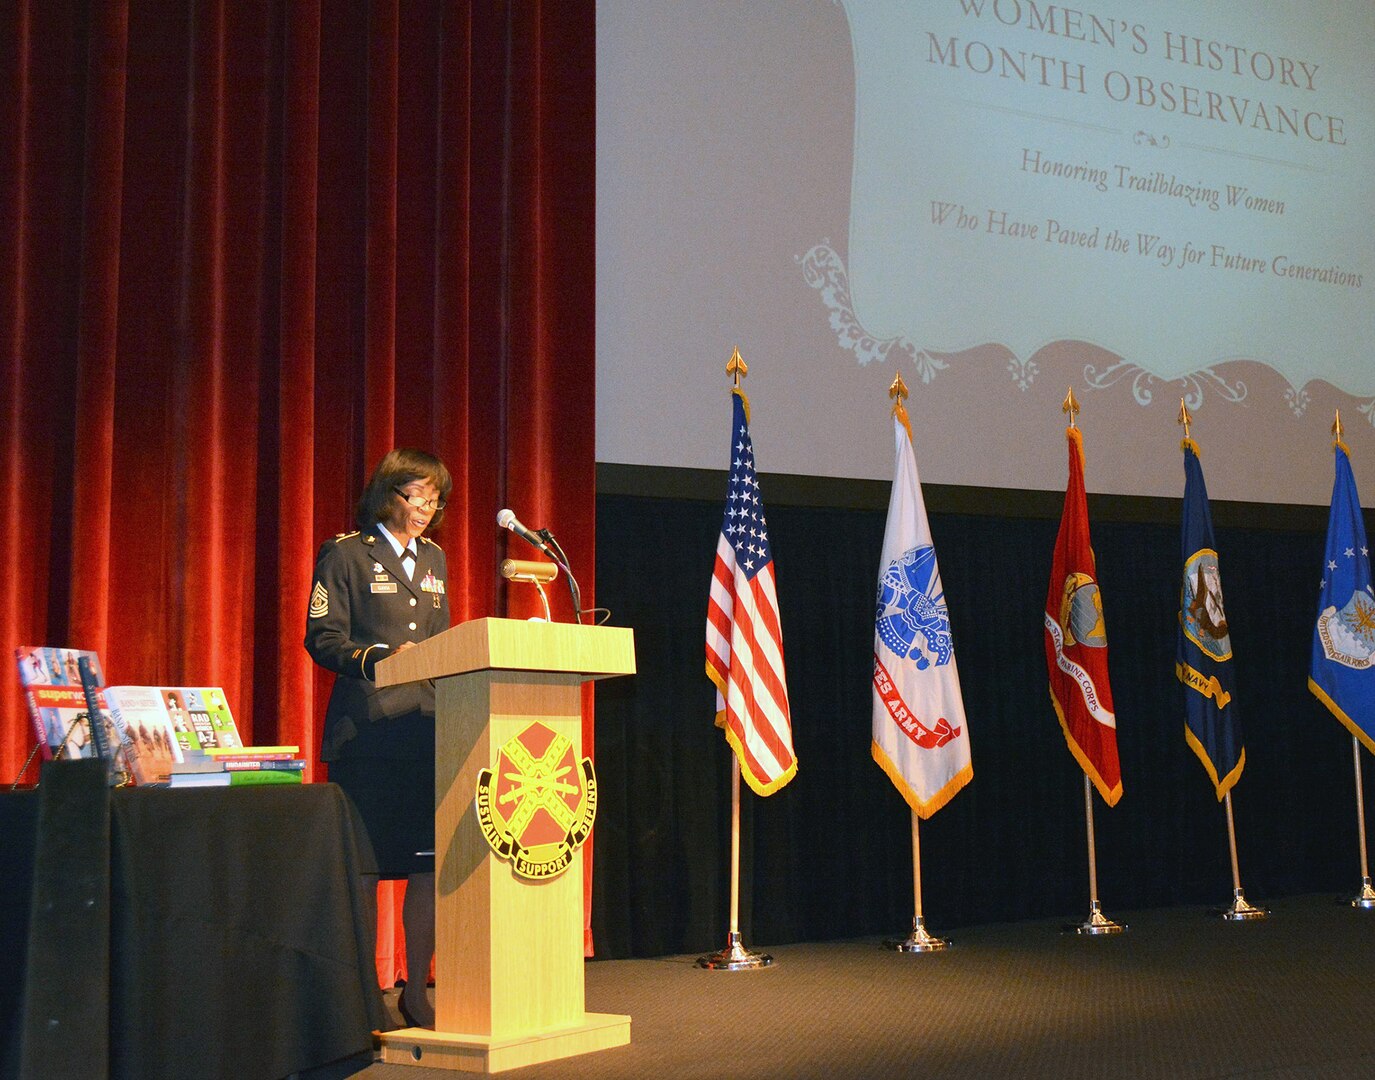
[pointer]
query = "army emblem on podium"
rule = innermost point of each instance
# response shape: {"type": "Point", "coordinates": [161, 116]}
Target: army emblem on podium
{"type": "Point", "coordinates": [536, 805]}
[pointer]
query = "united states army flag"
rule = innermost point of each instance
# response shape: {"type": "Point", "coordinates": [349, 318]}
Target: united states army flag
{"type": "Point", "coordinates": [920, 737]}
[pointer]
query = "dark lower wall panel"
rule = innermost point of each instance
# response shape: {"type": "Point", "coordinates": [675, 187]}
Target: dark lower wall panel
{"type": "Point", "coordinates": [829, 855]}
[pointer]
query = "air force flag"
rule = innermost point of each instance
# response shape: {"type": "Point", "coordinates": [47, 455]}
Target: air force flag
{"type": "Point", "coordinates": [1342, 673]}
{"type": "Point", "coordinates": [920, 737]}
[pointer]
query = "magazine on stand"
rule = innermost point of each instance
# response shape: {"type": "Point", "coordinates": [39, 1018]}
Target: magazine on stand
{"type": "Point", "coordinates": [55, 700]}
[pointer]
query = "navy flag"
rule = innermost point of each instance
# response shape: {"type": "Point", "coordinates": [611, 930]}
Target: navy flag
{"type": "Point", "coordinates": [1203, 659]}
{"type": "Point", "coordinates": [1342, 674]}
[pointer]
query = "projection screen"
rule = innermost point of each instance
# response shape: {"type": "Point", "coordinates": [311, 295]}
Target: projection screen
{"type": "Point", "coordinates": [997, 200]}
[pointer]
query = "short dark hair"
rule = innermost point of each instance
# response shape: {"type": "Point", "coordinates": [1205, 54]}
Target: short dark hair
{"type": "Point", "coordinates": [398, 469]}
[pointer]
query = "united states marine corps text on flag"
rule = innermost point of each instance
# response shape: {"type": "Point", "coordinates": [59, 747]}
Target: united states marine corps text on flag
{"type": "Point", "coordinates": [744, 638]}
{"type": "Point", "coordinates": [1077, 642]}
{"type": "Point", "coordinates": [920, 739]}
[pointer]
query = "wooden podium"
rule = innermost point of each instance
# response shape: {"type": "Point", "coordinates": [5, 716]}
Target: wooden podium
{"type": "Point", "coordinates": [508, 950]}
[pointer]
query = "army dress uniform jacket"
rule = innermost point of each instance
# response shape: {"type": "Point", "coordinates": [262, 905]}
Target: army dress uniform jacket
{"type": "Point", "coordinates": [362, 598]}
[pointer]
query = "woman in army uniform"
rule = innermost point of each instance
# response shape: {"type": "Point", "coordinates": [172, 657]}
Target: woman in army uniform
{"type": "Point", "coordinates": [378, 591]}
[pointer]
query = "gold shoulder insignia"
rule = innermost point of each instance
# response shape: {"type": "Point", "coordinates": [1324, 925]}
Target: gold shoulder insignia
{"type": "Point", "coordinates": [344, 536]}
{"type": "Point", "coordinates": [427, 540]}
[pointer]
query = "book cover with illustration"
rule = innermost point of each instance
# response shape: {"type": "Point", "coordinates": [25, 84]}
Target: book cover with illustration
{"type": "Point", "coordinates": [56, 702]}
{"type": "Point", "coordinates": [162, 727]}
{"type": "Point", "coordinates": [145, 731]}
{"type": "Point", "coordinates": [200, 717]}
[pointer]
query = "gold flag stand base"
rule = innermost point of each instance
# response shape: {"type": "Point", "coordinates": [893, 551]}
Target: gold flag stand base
{"type": "Point", "coordinates": [490, 1054]}
{"type": "Point", "coordinates": [1096, 925]}
{"type": "Point", "coordinates": [919, 941]}
{"type": "Point", "coordinates": [1243, 911]}
{"type": "Point", "coordinates": [1366, 897]}
{"type": "Point", "coordinates": [734, 957]}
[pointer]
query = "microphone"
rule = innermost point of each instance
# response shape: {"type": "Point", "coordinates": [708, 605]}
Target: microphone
{"type": "Point", "coordinates": [507, 520]}
{"type": "Point", "coordinates": [519, 570]}
{"type": "Point", "coordinates": [544, 540]}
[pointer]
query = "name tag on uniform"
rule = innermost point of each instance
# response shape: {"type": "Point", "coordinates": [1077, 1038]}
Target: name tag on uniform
{"type": "Point", "coordinates": [384, 586]}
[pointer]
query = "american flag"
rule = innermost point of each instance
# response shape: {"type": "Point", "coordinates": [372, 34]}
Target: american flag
{"type": "Point", "coordinates": [744, 638]}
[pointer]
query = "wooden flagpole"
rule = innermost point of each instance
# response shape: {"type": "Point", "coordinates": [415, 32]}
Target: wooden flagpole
{"type": "Point", "coordinates": [1097, 923]}
{"type": "Point", "coordinates": [1366, 897]}
{"type": "Point", "coordinates": [1240, 910]}
{"type": "Point", "coordinates": [920, 940]}
{"type": "Point", "coordinates": [734, 848]}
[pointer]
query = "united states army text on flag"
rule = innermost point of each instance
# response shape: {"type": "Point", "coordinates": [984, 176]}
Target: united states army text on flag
{"type": "Point", "coordinates": [920, 738]}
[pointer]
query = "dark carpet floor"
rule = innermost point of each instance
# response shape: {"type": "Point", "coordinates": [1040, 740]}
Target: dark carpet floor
{"type": "Point", "coordinates": [1182, 994]}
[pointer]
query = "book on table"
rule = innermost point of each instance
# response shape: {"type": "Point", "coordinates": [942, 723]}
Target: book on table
{"type": "Point", "coordinates": [236, 778]}
{"type": "Point", "coordinates": [57, 704]}
{"type": "Point", "coordinates": [161, 727]}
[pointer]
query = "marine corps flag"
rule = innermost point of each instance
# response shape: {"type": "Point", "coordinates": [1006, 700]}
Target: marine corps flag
{"type": "Point", "coordinates": [1077, 642]}
{"type": "Point", "coordinates": [920, 739]}
{"type": "Point", "coordinates": [1342, 674]}
{"type": "Point", "coordinates": [1203, 658]}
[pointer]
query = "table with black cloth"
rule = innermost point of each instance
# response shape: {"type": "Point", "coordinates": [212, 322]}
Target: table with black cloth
{"type": "Point", "coordinates": [209, 932]}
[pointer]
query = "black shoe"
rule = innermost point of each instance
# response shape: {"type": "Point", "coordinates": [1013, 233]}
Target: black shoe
{"type": "Point", "coordinates": [410, 1020]}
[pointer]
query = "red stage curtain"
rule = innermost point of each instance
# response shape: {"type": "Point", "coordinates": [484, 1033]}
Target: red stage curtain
{"type": "Point", "coordinates": [247, 247]}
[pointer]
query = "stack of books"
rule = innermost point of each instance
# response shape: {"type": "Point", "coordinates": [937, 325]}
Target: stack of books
{"type": "Point", "coordinates": [235, 766]}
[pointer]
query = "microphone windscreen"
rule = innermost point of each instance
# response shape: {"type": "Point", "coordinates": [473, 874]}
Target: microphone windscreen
{"type": "Point", "coordinates": [523, 570]}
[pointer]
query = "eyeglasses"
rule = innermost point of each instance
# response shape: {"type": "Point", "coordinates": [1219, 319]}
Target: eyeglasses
{"type": "Point", "coordinates": [419, 502]}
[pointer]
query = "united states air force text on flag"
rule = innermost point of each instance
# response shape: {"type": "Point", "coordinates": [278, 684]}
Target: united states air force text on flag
{"type": "Point", "coordinates": [920, 738]}
{"type": "Point", "coordinates": [744, 636]}
{"type": "Point", "coordinates": [1342, 673]}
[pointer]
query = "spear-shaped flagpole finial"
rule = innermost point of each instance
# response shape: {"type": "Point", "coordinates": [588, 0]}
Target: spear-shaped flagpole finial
{"type": "Point", "coordinates": [736, 367]}
{"type": "Point", "coordinates": [1337, 428]}
{"type": "Point", "coordinates": [1070, 406]}
{"type": "Point", "coordinates": [897, 390]}
{"type": "Point", "coordinates": [1185, 418]}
